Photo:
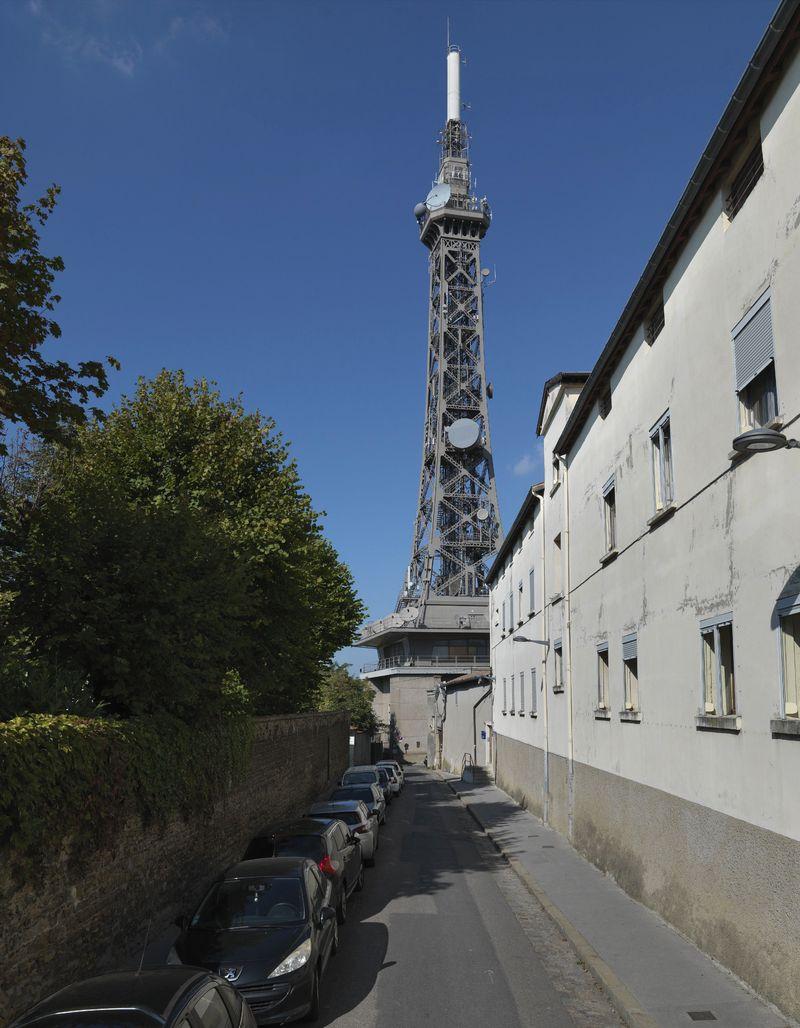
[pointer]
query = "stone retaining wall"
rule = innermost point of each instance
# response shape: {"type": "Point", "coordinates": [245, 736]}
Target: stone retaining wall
{"type": "Point", "coordinates": [72, 924]}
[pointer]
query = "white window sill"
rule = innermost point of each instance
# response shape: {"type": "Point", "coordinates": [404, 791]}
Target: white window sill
{"type": "Point", "coordinates": [558, 688]}
{"type": "Point", "coordinates": [601, 714]}
{"type": "Point", "coordinates": [612, 554]}
{"type": "Point", "coordinates": [521, 713]}
{"type": "Point", "coordinates": [661, 515]}
{"type": "Point", "coordinates": [785, 726]}
{"type": "Point", "coordinates": [554, 487]}
{"type": "Point", "coordinates": [718, 722]}
{"type": "Point", "coordinates": [511, 711]}
{"type": "Point", "coordinates": [633, 716]}
{"type": "Point", "coordinates": [520, 623]}
{"type": "Point", "coordinates": [556, 598]}
{"type": "Point", "coordinates": [532, 713]}
{"type": "Point", "coordinates": [504, 713]}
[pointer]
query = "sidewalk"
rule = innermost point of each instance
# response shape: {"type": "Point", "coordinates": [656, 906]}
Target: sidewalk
{"type": "Point", "coordinates": [653, 975]}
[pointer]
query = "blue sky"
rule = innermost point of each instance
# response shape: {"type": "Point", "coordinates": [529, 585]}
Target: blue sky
{"type": "Point", "coordinates": [238, 180]}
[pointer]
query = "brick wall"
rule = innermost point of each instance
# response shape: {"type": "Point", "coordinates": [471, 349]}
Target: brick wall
{"type": "Point", "coordinates": [72, 923]}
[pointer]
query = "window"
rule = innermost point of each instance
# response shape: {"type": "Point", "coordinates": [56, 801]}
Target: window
{"type": "Point", "coordinates": [753, 354]}
{"type": "Point", "coordinates": [719, 693]}
{"type": "Point", "coordinates": [610, 511]}
{"type": "Point", "coordinates": [558, 660]}
{"type": "Point", "coordinates": [522, 692]}
{"type": "Point", "coordinates": [602, 678]}
{"type": "Point", "coordinates": [211, 1011]}
{"type": "Point", "coordinates": [531, 591]}
{"type": "Point", "coordinates": [534, 697]}
{"type": "Point", "coordinates": [790, 648]}
{"type": "Point", "coordinates": [504, 615]}
{"type": "Point", "coordinates": [511, 610]}
{"type": "Point", "coordinates": [519, 603]}
{"type": "Point", "coordinates": [661, 440]}
{"type": "Point", "coordinates": [513, 697]}
{"type": "Point", "coordinates": [556, 471]}
{"type": "Point", "coordinates": [557, 565]}
{"type": "Point", "coordinates": [505, 697]}
{"type": "Point", "coordinates": [654, 324]}
{"type": "Point", "coordinates": [742, 185]}
{"type": "Point", "coordinates": [630, 666]}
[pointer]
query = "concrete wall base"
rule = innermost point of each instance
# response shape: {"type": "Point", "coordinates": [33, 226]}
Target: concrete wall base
{"type": "Point", "coordinates": [729, 886]}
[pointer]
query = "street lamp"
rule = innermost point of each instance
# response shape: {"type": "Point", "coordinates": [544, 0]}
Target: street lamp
{"type": "Point", "coordinates": [762, 440]}
{"type": "Point", "coordinates": [525, 639]}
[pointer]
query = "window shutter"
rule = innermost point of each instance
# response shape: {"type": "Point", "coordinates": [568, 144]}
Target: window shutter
{"type": "Point", "coordinates": [531, 586]}
{"type": "Point", "coordinates": [752, 342]}
{"type": "Point", "coordinates": [629, 643]}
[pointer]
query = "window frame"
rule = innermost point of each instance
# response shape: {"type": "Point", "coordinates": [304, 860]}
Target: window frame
{"type": "Point", "coordinates": [711, 626]}
{"type": "Point", "coordinates": [630, 696]}
{"type": "Point", "coordinates": [558, 666]}
{"type": "Point", "coordinates": [610, 514]}
{"type": "Point", "coordinates": [733, 204]}
{"type": "Point", "coordinates": [534, 698]}
{"type": "Point", "coordinates": [521, 709]}
{"type": "Point", "coordinates": [532, 592]}
{"type": "Point", "coordinates": [505, 696]}
{"type": "Point", "coordinates": [603, 675]}
{"type": "Point", "coordinates": [788, 607]}
{"type": "Point", "coordinates": [659, 463]}
{"type": "Point", "coordinates": [513, 708]}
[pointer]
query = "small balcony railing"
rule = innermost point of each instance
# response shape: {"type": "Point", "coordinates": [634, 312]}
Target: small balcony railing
{"type": "Point", "coordinates": [422, 661]}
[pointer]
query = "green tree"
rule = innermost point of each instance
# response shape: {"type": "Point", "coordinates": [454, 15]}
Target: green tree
{"type": "Point", "coordinates": [172, 544]}
{"type": "Point", "coordinates": [340, 690]}
{"type": "Point", "coordinates": [46, 395]}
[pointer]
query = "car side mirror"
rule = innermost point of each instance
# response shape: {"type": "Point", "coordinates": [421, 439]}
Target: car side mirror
{"type": "Point", "coordinates": [326, 914]}
{"type": "Point", "coordinates": [182, 922]}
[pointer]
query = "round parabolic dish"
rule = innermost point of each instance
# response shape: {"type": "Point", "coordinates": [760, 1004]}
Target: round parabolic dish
{"type": "Point", "coordinates": [483, 514]}
{"type": "Point", "coordinates": [464, 433]}
{"type": "Point", "coordinates": [438, 196]}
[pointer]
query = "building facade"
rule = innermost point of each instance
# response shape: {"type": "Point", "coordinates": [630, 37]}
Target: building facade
{"type": "Point", "coordinates": [654, 718]}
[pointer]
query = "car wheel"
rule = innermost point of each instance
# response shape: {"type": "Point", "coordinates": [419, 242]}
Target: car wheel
{"type": "Point", "coordinates": [341, 913]}
{"type": "Point", "coordinates": [313, 1010]}
{"type": "Point", "coordinates": [360, 880]}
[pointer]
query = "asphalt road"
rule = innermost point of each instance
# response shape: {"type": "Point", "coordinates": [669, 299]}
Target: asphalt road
{"type": "Point", "coordinates": [445, 934]}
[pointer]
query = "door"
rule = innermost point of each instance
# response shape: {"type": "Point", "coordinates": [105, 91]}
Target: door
{"type": "Point", "coordinates": [350, 854]}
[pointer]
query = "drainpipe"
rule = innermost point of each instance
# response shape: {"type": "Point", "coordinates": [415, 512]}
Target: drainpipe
{"type": "Point", "coordinates": [545, 690]}
{"type": "Point", "coordinates": [475, 706]}
{"type": "Point", "coordinates": [568, 632]}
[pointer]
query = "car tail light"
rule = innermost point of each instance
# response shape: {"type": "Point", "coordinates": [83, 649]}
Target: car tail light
{"type": "Point", "coordinates": [328, 866]}
{"type": "Point", "coordinates": [362, 828]}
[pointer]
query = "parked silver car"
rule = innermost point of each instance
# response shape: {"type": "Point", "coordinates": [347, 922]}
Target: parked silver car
{"type": "Point", "coordinates": [395, 766]}
{"type": "Point", "coordinates": [358, 819]}
{"type": "Point", "coordinates": [394, 778]}
{"type": "Point", "coordinates": [361, 774]}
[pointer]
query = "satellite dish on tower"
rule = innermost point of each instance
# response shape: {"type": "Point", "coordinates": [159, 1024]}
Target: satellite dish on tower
{"type": "Point", "coordinates": [410, 613]}
{"type": "Point", "coordinates": [438, 196]}
{"type": "Point", "coordinates": [464, 433]}
{"type": "Point", "coordinates": [483, 514]}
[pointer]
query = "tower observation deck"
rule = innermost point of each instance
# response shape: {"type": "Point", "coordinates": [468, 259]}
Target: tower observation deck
{"type": "Point", "coordinates": [440, 625]}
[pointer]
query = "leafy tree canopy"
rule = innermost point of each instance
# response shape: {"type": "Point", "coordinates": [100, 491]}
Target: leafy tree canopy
{"type": "Point", "coordinates": [45, 395]}
{"type": "Point", "coordinates": [340, 690]}
{"type": "Point", "coordinates": [171, 547]}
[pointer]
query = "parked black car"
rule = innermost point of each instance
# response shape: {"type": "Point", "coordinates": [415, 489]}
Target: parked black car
{"type": "Point", "coordinates": [372, 795]}
{"type": "Point", "coordinates": [161, 996]}
{"type": "Point", "coordinates": [268, 927]}
{"type": "Point", "coordinates": [330, 845]}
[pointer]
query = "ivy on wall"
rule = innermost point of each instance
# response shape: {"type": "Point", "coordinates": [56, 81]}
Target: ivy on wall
{"type": "Point", "coordinates": [72, 782]}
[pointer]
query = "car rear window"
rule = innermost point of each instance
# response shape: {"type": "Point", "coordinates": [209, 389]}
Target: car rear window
{"type": "Point", "coordinates": [350, 817]}
{"type": "Point", "coordinates": [260, 848]}
{"type": "Point", "coordinates": [310, 846]}
{"type": "Point", "coordinates": [358, 777]}
{"type": "Point", "coordinates": [358, 793]}
{"type": "Point", "coordinates": [251, 903]}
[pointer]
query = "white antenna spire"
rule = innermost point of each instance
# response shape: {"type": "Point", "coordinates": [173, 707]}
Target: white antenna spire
{"type": "Point", "coordinates": [453, 82]}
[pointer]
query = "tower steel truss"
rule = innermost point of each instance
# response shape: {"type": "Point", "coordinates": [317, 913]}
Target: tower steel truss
{"type": "Point", "coordinates": [457, 526]}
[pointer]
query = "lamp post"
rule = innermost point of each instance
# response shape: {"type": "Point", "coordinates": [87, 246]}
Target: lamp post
{"type": "Point", "coordinates": [525, 639]}
{"type": "Point", "coordinates": [762, 440]}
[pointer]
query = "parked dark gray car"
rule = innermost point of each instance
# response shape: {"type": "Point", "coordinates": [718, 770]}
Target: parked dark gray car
{"type": "Point", "coordinates": [163, 996]}
{"type": "Point", "coordinates": [266, 926]}
{"type": "Point", "coordinates": [330, 845]}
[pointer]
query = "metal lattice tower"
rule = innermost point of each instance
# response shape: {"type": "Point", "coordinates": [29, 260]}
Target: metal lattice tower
{"type": "Point", "coordinates": [457, 526]}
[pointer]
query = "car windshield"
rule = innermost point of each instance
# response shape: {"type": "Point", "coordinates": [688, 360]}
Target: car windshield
{"type": "Point", "coordinates": [251, 903]}
{"type": "Point", "coordinates": [310, 846]}
{"type": "Point", "coordinates": [358, 777]}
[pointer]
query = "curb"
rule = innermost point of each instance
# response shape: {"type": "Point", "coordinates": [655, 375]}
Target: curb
{"type": "Point", "coordinates": [622, 999]}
